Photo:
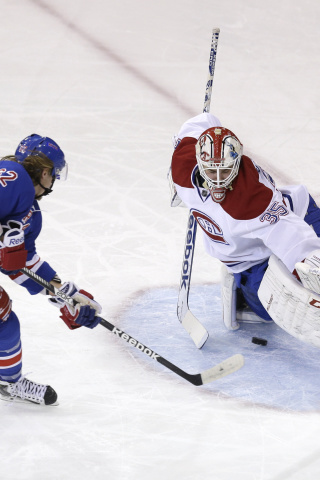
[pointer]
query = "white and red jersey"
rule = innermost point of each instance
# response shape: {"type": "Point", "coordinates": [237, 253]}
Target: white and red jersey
{"type": "Point", "coordinates": [255, 219]}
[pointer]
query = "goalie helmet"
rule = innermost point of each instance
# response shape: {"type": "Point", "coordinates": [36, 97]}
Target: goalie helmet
{"type": "Point", "coordinates": [35, 144]}
{"type": "Point", "coordinates": [218, 153]}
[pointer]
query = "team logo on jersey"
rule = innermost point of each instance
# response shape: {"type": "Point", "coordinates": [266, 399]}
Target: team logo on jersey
{"type": "Point", "coordinates": [274, 213]}
{"type": "Point", "coordinates": [5, 176]}
{"type": "Point", "coordinates": [25, 220]}
{"type": "Point", "coordinates": [209, 226]}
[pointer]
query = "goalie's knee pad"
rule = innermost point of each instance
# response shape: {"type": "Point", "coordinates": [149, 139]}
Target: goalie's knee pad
{"type": "Point", "coordinates": [229, 299]}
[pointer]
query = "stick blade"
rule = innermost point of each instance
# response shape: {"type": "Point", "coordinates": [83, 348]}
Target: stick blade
{"type": "Point", "coordinates": [230, 365]}
{"type": "Point", "coordinates": [195, 329]}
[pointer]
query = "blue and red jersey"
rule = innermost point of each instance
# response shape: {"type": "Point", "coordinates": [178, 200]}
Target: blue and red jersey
{"type": "Point", "coordinates": [17, 202]}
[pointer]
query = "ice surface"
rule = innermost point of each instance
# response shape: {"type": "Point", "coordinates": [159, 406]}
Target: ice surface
{"type": "Point", "coordinates": [112, 82]}
{"type": "Point", "coordinates": [280, 375]}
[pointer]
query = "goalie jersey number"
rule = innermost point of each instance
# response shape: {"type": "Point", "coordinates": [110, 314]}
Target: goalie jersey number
{"type": "Point", "coordinates": [274, 213]}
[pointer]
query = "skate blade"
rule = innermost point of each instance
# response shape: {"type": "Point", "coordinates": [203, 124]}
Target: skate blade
{"type": "Point", "coordinates": [8, 398]}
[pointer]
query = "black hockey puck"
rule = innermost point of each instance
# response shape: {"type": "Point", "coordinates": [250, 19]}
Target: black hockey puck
{"type": "Point", "coordinates": [259, 341]}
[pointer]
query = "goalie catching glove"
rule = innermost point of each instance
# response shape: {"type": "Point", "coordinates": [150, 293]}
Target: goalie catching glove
{"type": "Point", "coordinates": [13, 255]}
{"type": "Point", "coordinates": [83, 313]}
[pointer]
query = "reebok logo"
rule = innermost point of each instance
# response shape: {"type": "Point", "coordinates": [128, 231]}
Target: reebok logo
{"type": "Point", "coordinates": [135, 343]}
{"type": "Point", "coordinates": [188, 252]}
{"type": "Point", "coordinates": [16, 241]}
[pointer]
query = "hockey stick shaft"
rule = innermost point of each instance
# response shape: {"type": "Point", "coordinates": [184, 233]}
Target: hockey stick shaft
{"type": "Point", "coordinates": [186, 270]}
{"type": "Point", "coordinates": [224, 368]}
{"type": "Point", "coordinates": [212, 64]}
{"type": "Point", "coordinates": [191, 324]}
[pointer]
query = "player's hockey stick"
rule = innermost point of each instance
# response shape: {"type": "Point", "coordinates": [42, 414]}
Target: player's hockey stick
{"type": "Point", "coordinates": [191, 324]}
{"type": "Point", "coordinates": [230, 365]}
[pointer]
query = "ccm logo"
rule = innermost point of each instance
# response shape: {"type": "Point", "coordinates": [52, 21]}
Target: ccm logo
{"type": "Point", "coordinates": [315, 303]}
{"type": "Point", "coordinates": [270, 302]}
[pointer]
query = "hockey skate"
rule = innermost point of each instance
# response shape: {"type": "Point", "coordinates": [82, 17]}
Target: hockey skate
{"type": "Point", "coordinates": [244, 313]}
{"type": "Point", "coordinates": [27, 391]}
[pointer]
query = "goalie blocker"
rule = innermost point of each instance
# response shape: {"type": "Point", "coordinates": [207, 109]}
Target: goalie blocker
{"type": "Point", "coordinates": [291, 306]}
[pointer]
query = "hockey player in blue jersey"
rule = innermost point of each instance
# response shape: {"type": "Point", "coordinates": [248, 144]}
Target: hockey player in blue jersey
{"type": "Point", "coordinates": [25, 178]}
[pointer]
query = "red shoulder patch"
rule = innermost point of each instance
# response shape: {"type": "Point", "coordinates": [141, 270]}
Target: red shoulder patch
{"type": "Point", "coordinates": [183, 162]}
{"type": "Point", "coordinates": [249, 198]}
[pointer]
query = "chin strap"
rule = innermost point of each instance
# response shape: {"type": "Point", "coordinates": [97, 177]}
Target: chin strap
{"type": "Point", "coordinates": [46, 190]}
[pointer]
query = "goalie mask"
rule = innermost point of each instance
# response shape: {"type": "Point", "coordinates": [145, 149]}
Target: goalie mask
{"type": "Point", "coordinates": [218, 153]}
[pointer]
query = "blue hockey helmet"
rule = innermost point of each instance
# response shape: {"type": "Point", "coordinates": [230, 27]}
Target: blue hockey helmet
{"type": "Point", "coordinates": [34, 144]}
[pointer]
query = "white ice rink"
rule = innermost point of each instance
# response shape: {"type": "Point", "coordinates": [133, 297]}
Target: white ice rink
{"type": "Point", "coordinates": [111, 82]}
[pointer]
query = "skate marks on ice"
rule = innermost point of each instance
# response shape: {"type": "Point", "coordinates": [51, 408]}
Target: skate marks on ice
{"type": "Point", "coordinates": [281, 375]}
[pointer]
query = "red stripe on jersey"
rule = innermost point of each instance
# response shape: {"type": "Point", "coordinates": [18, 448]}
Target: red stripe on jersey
{"type": "Point", "coordinates": [183, 162]}
{"type": "Point", "coordinates": [9, 362]}
{"type": "Point", "coordinates": [248, 198]}
{"type": "Point", "coordinates": [29, 267]}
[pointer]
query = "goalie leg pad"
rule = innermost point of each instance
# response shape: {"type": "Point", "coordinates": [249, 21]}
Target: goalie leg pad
{"type": "Point", "coordinates": [229, 299]}
{"type": "Point", "coordinates": [248, 282]}
{"type": "Point", "coordinates": [231, 314]}
{"type": "Point", "coordinates": [294, 308]}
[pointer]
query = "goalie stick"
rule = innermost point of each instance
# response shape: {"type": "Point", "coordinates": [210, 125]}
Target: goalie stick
{"type": "Point", "coordinates": [191, 324]}
{"type": "Point", "coordinates": [230, 365]}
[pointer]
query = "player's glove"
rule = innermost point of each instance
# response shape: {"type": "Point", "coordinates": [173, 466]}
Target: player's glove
{"type": "Point", "coordinates": [5, 305]}
{"type": "Point", "coordinates": [309, 271]}
{"type": "Point", "coordinates": [13, 255]}
{"type": "Point", "coordinates": [83, 314]}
